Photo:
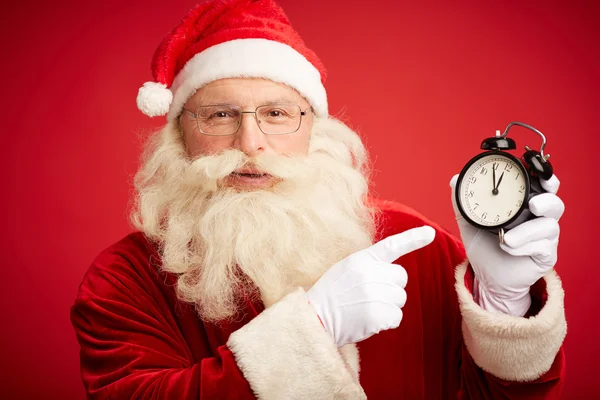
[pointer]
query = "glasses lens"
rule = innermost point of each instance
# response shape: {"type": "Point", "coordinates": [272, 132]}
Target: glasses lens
{"type": "Point", "coordinates": [279, 119]}
{"type": "Point", "coordinates": [218, 120]}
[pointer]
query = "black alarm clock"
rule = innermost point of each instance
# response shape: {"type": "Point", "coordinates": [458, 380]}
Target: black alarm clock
{"type": "Point", "coordinates": [494, 188]}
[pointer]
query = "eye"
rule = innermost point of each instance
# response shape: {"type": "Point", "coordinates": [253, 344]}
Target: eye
{"type": "Point", "coordinates": [221, 114]}
{"type": "Point", "coordinates": [218, 113]}
{"type": "Point", "coordinates": [276, 113]}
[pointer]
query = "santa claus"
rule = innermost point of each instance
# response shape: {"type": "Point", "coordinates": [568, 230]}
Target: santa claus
{"type": "Point", "coordinates": [261, 268]}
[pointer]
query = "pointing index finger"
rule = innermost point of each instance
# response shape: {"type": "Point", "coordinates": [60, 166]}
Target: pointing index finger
{"type": "Point", "coordinates": [393, 247]}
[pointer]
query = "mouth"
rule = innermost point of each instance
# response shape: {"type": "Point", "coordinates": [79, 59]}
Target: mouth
{"type": "Point", "coordinates": [250, 174]}
{"type": "Point", "coordinates": [251, 178]}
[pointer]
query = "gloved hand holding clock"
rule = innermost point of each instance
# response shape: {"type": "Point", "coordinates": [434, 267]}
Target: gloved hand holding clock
{"type": "Point", "coordinates": [505, 271]}
{"type": "Point", "coordinates": [495, 191]}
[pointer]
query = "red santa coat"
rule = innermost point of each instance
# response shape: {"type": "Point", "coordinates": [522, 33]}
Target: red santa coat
{"type": "Point", "coordinates": [138, 341]}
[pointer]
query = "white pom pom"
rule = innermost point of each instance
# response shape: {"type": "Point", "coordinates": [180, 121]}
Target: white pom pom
{"type": "Point", "coordinates": [154, 99]}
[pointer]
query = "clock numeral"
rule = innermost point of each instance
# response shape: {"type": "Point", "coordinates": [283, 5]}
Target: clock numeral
{"type": "Point", "coordinates": [509, 213]}
{"type": "Point", "coordinates": [473, 179]}
{"type": "Point", "coordinates": [476, 205]}
{"type": "Point", "coordinates": [517, 177]}
{"type": "Point", "coordinates": [495, 166]}
{"type": "Point", "coordinates": [519, 203]}
{"type": "Point", "coordinates": [497, 218]}
{"type": "Point", "coordinates": [471, 194]}
{"type": "Point", "coordinates": [521, 188]}
{"type": "Point", "coordinates": [508, 167]}
{"type": "Point", "coordinates": [483, 171]}
{"type": "Point", "coordinates": [484, 215]}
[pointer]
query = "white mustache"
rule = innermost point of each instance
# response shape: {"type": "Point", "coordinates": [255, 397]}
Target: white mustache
{"type": "Point", "coordinates": [207, 170]}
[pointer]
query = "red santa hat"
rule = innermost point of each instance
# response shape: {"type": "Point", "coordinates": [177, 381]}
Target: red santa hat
{"type": "Point", "coordinates": [230, 39]}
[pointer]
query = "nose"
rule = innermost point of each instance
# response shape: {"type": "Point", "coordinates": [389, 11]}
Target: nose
{"type": "Point", "coordinates": [249, 138]}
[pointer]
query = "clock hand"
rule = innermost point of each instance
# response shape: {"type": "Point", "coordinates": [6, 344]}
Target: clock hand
{"type": "Point", "coordinates": [494, 190]}
{"type": "Point", "coordinates": [499, 180]}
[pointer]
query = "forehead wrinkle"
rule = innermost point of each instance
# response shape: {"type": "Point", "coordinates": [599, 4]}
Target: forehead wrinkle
{"type": "Point", "coordinates": [246, 95]}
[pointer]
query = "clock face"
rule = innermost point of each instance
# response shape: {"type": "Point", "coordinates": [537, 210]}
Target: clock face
{"type": "Point", "coordinates": [492, 190]}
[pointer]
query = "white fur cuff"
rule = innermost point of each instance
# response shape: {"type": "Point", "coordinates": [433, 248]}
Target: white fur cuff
{"type": "Point", "coordinates": [508, 347]}
{"type": "Point", "coordinates": [285, 353]}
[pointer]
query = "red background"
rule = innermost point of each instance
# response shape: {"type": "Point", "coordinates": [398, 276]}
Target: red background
{"type": "Point", "coordinates": [424, 84]}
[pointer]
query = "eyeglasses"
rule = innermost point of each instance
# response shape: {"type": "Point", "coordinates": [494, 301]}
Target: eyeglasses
{"type": "Point", "coordinates": [226, 119]}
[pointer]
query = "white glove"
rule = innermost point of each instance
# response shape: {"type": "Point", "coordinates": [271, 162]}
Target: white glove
{"type": "Point", "coordinates": [363, 294]}
{"type": "Point", "coordinates": [505, 272]}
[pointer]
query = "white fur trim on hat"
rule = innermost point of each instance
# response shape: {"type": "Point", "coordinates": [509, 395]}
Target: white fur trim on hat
{"type": "Point", "coordinates": [249, 58]}
{"type": "Point", "coordinates": [513, 348]}
{"type": "Point", "coordinates": [154, 99]}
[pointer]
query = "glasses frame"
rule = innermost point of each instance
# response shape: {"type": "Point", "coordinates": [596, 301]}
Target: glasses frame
{"type": "Point", "coordinates": [242, 112]}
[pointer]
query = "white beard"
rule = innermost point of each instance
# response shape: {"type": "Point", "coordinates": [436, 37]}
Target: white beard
{"type": "Point", "coordinates": [223, 243]}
